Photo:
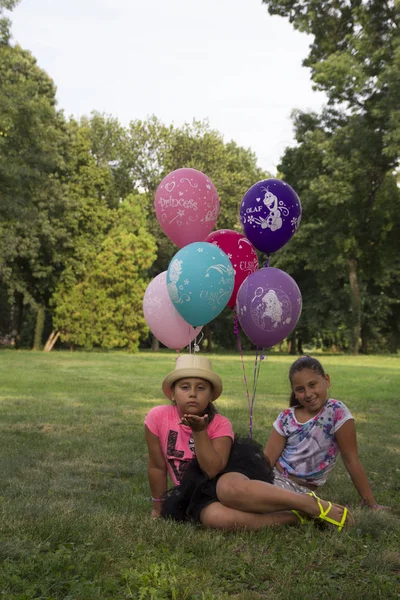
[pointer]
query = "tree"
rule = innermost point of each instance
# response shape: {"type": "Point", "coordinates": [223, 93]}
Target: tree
{"type": "Point", "coordinates": [89, 217]}
{"type": "Point", "coordinates": [5, 5]}
{"type": "Point", "coordinates": [104, 309]}
{"type": "Point", "coordinates": [338, 224]}
{"type": "Point", "coordinates": [33, 143]}
{"type": "Point", "coordinates": [355, 59]}
{"type": "Point", "coordinates": [108, 143]}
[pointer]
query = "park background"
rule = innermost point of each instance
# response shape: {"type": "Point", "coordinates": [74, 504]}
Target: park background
{"type": "Point", "coordinates": [79, 243]}
{"type": "Point", "coordinates": [79, 240]}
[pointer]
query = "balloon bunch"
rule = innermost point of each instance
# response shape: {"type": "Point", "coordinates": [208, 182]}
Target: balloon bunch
{"type": "Point", "coordinates": [213, 270]}
{"type": "Point", "coordinates": [269, 301]}
{"type": "Point", "coordinates": [205, 274]}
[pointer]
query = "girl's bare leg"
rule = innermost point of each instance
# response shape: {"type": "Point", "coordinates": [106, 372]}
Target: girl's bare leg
{"type": "Point", "coordinates": [237, 491]}
{"type": "Point", "coordinates": [218, 516]}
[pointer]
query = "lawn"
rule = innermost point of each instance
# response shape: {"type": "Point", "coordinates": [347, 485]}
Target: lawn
{"type": "Point", "coordinates": [74, 498]}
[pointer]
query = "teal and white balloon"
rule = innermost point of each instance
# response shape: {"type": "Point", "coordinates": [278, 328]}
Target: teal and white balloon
{"type": "Point", "coordinates": [200, 281]}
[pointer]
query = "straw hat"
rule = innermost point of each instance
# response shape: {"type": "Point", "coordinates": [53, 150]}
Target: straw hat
{"type": "Point", "coordinates": [192, 365]}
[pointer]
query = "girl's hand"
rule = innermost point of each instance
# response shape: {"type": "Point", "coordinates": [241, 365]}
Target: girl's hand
{"type": "Point", "coordinates": [195, 422]}
{"type": "Point", "coordinates": [365, 504]}
{"type": "Point", "coordinates": [377, 507]}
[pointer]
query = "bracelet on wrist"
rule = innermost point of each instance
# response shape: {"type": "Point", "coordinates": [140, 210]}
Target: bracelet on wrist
{"type": "Point", "coordinates": [157, 499]}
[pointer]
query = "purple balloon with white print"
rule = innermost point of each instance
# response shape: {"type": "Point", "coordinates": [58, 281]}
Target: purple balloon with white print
{"type": "Point", "coordinates": [270, 214]}
{"type": "Point", "coordinates": [268, 306]}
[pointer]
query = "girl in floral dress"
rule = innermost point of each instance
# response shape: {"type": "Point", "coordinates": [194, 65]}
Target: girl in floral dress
{"type": "Point", "coordinates": [307, 437]}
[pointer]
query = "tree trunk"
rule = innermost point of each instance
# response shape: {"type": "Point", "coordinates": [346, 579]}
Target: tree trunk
{"type": "Point", "coordinates": [53, 337]}
{"type": "Point", "coordinates": [393, 342]}
{"type": "Point", "coordinates": [17, 313]}
{"type": "Point", "coordinates": [208, 337]}
{"type": "Point", "coordinates": [155, 344]}
{"type": "Point", "coordinates": [12, 325]}
{"type": "Point", "coordinates": [355, 300]}
{"type": "Point", "coordinates": [39, 327]}
{"type": "Point", "coordinates": [300, 346]}
{"type": "Point", "coordinates": [292, 343]}
{"type": "Point", "coordinates": [364, 341]}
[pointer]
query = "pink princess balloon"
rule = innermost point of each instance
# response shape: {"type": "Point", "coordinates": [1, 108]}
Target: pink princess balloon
{"type": "Point", "coordinates": [187, 206]}
{"type": "Point", "coordinates": [162, 317]}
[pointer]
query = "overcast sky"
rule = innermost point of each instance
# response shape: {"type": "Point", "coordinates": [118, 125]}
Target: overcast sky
{"type": "Point", "coordinates": [225, 60]}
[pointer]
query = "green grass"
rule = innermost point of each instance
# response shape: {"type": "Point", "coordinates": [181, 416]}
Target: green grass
{"type": "Point", "coordinates": [74, 498]}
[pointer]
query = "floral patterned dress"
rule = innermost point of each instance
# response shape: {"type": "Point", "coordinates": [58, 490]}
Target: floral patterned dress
{"type": "Point", "coordinates": [311, 449]}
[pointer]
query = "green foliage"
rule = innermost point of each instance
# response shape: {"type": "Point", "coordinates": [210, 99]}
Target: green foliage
{"type": "Point", "coordinates": [89, 217]}
{"type": "Point", "coordinates": [344, 171]}
{"type": "Point", "coordinates": [66, 188]}
{"type": "Point", "coordinates": [355, 58]}
{"type": "Point", "coordinates": [346, 216]}
{"type": "Point", "coordinates": [5, 5]}
{"type": "Point", "coordinates": [104, 309]}
{"type": "Point", "coordinates": [32, 164]}
{"type": "Point", "coordinates": [353, 49]}
{"type": "Point", "coordinates": [107, 149]}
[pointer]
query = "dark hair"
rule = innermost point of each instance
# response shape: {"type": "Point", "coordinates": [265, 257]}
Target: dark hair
{"type": "Point", "coordinates": [304, 362]}
{"type": "Point", "coordinates": [210, 410]}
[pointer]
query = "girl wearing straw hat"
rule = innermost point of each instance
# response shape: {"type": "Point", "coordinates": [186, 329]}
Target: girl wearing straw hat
{"type": "Point", "coordinates": [220, 481]}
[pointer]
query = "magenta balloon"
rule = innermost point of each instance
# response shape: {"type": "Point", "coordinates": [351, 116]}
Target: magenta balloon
{"type": "Point", "coordinates": [268, 306]}
{"type": "Point", "coordinates": [187, 206]}
{"type": "Point", "coordinates": [241, 253]}
{"type": "Point", "coordinates": [163, 319]}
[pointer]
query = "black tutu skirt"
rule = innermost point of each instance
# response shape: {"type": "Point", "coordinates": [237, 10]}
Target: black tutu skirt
{"type": "Point", "coordinates": [185, 502]}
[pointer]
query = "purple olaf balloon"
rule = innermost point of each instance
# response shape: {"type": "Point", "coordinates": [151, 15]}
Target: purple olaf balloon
{"type": "Point", "coordinates": [268, 306]}
{"type": "Point", "coordinates": [270, 214]}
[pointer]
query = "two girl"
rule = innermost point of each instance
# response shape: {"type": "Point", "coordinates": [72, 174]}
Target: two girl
{"type": "Point", "coordinates": [220, 481]}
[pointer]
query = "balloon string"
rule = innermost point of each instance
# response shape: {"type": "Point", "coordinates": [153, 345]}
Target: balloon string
{"type": "Point", "coordinates": [257, 363]}
{"type": "Point", "coordinates": [236, 331]}
{"type": "Point", "coordinates": [266, 264]}
{"type": "Point", "coordinates": [196, 345]}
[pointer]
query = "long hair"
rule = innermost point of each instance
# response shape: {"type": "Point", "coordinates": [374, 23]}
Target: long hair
{"type": "Point", "coordinates": [211, 411]}
{"type": "Point", "coordinates": [304, 362]}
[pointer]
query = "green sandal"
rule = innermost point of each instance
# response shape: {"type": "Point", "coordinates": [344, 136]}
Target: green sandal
{"type": "Point", "coordinates": [304, 519]}
{"type": "Point", "coordinates": [323, 514]}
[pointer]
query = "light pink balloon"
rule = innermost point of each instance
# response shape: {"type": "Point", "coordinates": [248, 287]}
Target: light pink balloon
{"type": "Point", "coordinates": [187, 206]}
{"type": "Point", "coordinates": [162, 317]}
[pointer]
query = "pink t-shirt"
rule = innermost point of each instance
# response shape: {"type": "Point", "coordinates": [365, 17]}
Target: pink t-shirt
{"type": "Point", "coordinates": [176, 440]}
